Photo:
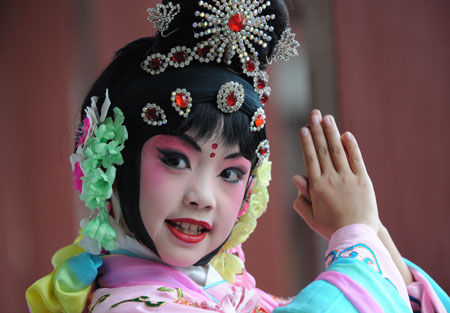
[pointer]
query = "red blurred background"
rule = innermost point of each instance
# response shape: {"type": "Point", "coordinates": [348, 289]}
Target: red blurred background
{"type": "Point", "coordinates": [382, 67]}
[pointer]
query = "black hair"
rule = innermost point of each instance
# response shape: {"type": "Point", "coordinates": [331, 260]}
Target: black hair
{"type": "Point", "coordinates": [131, 88]}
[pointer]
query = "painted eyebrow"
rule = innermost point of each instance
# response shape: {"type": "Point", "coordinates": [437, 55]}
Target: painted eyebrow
{"type": "Point", "coordinates": [234, 156]}
{"type": "Point", "coordinates": [190, 141]}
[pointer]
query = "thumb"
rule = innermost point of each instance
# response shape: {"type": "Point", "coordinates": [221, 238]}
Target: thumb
{"type": "Point", "coordinates": [302, 184]}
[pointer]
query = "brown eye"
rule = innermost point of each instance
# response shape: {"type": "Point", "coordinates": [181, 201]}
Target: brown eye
{"type": "Point", "coordinates": [232, 175]}
{"type": "Point", "coordinates": [174, 160]}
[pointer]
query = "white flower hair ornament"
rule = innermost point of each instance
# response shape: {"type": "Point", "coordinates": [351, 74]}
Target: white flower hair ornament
{"type": "Point", "coordinates": [98, 150]}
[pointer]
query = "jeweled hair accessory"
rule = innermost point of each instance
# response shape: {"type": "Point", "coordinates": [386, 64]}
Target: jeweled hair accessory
{"type": "Point", "coordinates": [98, 151]}
{"type": "Point", "coordinates": [230, 97]}
{"type": "Point", "coordinates": [227, 29]}
{"type": "Point", "coordinates": [262, 151]}
{"type": "Point", "coordinates": [153, 115]}
{"type": "Point", "coordinates": [286, 47]}
{"type": "Point", "coordinates": [234, 27]}
{"type": "Point", "coordinates": [258, 120]}
{"type": "Point", "coordinates": [163, 14]}
{"type": "Point", "coordinates": [181, 101]}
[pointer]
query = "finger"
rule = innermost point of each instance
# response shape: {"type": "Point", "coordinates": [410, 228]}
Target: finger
{"type": "Point", "coordinates": [304, 209]}
{"type": "Point", "coordinates": [302, 184]}
{"type": "Point", "coordinates": [309, 153]}
{"type": "Point", "coordinates": [335, 147]}
{"type": "Point", "coordinates": [320, 143]}
{"type": "Point", "coordinates": [355, 159]}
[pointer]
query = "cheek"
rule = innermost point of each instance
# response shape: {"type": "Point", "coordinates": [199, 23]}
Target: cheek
{"type": "Point", "coordinates": [232, 201]}
{"type": "Point", "coordinates": [152, 192]}
{"type": "Point", "coordinates": [152, 174]}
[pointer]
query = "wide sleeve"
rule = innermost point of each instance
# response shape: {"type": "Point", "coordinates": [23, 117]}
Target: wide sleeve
{"type": "Point", "coordinates": [67, 287]}
{"type": "Point", "coordinates": [425, 294]}
{"type": "Point", "coordinates": [360, 277]}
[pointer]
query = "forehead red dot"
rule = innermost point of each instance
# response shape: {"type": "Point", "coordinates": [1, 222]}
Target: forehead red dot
{"type": "Point", "coordinates": [212, 155]}
{"type": "Point", "coordinates": [214, 146]}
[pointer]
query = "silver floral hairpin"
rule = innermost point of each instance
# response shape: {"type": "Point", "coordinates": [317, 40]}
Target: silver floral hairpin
{"type": "Point", "coordinates": [233, 27]}
{"type": "Point", "coordinates": [286, 47]}
{"type": "Point", "coordinates": [163, 14]}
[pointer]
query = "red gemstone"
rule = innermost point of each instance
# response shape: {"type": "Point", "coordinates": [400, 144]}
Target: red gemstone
{"type": "Point", "coordinates": [151, 114]}
{"type": "Point", "coordinates": [259, 120]}
{"type": "Point", "coordinates": [231, 99]}
{"type": "Point", "coordinates": [261, 83]}
{"type": "Point", "coordinates": [179, 57]}
{"type": "Point", "coordinates": [212, 155]}
{"type": "Point", "coordinates": [263, 151]}
{"type": "Point", "coordinates": [204, 51]}
{"type": "Point", "coordinates": [181, 100]}
{"type": "Point", "coordinates": [214, 145]}
{"type": "Point", "coordinates": [155, 64]}
{"type": "Point", "coordinates": [264, 98]}
{"type": "Point", "coordinates": [236, 23]}
{"type": "Point", "coordinates": [250, 65]}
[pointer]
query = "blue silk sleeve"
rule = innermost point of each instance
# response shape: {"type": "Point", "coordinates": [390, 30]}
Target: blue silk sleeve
{"type": "Point", "coordinates": [358, 286]}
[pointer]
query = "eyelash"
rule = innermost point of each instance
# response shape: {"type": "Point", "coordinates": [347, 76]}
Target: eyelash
{"type": "Point", "coordinates": [239, 173]}
{"type": "Point", "coordinates": [168, 156]}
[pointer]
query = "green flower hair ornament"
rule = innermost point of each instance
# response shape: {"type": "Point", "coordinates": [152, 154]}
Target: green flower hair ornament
{"type": "Point", "coordinates": [226, 262]}
{"type": "Point", "coordinates": [98, 151]}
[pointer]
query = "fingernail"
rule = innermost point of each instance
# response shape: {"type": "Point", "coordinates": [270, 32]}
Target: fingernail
{"type": "Point", "coordinates": [315, 119]}
{"type": "Point", "coordinates": [305, 131]}
{"type": "Point", "coordinates": [349, 136]}
{"type": "Point", "coordinates": [327, 120]}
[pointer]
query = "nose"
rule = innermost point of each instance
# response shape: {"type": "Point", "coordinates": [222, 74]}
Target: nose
{"type": "Point", "coordinates": [199, 194]}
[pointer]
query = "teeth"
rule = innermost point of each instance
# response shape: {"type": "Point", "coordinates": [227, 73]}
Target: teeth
{"type": "Point", "coordinates": [188, 228]}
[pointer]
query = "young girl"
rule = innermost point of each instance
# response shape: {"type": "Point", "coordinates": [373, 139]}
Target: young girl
{"type": "Point", "coordinates": [172, 159]}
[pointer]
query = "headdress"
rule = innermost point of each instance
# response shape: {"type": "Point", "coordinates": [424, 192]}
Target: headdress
{"type": "Point", "coordinates": [229, 35]}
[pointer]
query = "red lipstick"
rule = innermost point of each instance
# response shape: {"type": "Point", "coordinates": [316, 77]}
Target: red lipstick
{"type": "Point", "coordinates": [185, 237]}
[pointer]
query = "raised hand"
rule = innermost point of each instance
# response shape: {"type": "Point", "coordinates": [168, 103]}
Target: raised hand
{"type": "Point", "coordinates": [337, 190]}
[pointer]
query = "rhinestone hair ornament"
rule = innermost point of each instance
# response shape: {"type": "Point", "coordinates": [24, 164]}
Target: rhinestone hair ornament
{"type": "Point", "coordinates": [286, 47]}
{"type": "Point", "coordinates": [162, 15]}
{"type": "Point", "coordinates": [227, 30]}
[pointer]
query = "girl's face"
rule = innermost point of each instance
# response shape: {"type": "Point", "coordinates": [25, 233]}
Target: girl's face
{"type": "Point", "coordinates": [190, 195]}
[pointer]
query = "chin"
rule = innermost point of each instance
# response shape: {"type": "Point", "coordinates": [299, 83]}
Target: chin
{"type": "Point", "coordinates": [181, 260]}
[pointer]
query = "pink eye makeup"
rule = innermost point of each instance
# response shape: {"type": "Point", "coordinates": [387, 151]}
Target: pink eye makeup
{"type": "Point", "coordinates": [174, 159]}
{"type": "Point", "coordinates": [232, 175]}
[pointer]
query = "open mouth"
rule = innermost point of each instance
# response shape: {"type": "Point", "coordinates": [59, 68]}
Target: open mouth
{"type": "Point", "coordinates": [188, 230]}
